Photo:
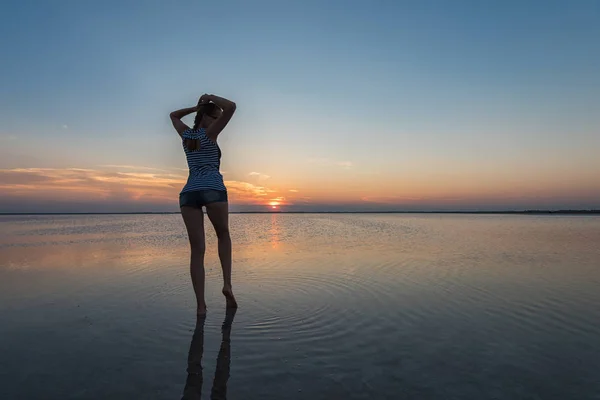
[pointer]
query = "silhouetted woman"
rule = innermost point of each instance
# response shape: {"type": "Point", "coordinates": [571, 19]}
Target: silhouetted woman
{"type": "Point", "coordinates": [205, 188]}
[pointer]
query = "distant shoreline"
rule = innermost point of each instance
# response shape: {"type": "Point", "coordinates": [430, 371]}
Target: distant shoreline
{"type": "Point", "coordinates": [524, 212]}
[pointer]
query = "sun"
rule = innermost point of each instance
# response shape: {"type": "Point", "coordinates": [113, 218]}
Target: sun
{"type": "Point", "coordinates": [274, 204]}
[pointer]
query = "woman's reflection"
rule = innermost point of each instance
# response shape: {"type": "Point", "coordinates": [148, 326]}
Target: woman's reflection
{"type": "Point", "coordinates": [193, 383]}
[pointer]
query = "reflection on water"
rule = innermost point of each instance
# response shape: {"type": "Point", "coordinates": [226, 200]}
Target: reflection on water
{"type": "Point", "coordinates": [275, 232]}
{"type": "Point", "coordinates": [194, 381]}
{"type": "Point", "coordinates": [331, 307]}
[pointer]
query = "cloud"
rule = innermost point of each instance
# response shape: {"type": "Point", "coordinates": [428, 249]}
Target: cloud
{"type": "Point", "coordinates": [294, 190]}
{"type": "Point", "coordinates": [246, 192]}
{"type": "Point", "coordinates": [128, 185]}
{"type": "Point", "coordinates": [65, 126]}
{"type": "Point", "coordinates": [260, 176]}
{"type": "Point", "coordinates": [326, 162]}
{"type": "Point", "coordinates": [128, 189]}
{"type": "Point", "coordinates": [80, 184]}
{"type": "Point", "coordinates": [136, 167]}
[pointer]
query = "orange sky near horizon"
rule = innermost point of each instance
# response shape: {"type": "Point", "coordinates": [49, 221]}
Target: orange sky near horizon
{"type": "Point", "coordinates": [420, 108]}
{"type": "Point", "coordinates": [152, 188]}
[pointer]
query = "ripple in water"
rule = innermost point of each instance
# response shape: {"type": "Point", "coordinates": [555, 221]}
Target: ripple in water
{"type": "Point", "coordinates": [331, 306]}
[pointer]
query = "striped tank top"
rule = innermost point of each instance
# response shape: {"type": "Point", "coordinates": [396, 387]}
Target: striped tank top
{"type": "Point", "coordinates": [203, 163]}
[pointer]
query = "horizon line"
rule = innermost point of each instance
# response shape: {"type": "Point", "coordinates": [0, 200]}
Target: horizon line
{"type": "Point", "coordinates": [560, 211]}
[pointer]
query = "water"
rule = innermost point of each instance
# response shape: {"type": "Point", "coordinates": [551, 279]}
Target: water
{"type": "Point", "coordinates": [339, 306]}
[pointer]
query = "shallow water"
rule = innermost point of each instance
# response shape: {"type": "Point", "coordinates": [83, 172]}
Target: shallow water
{"type": "Point", "coordinates": [332, 306]}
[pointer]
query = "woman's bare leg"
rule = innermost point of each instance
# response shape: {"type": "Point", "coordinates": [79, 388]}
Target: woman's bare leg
{"type": "Point", "coordinates": [194, 223]}
{"type": "Point", "coordinates": [218, 213]}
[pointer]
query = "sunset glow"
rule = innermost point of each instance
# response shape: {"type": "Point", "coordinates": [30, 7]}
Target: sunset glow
{"type": "Point", "coordinates": [135, 188]}
{"type": "Point", "coordinates": [462, 117]}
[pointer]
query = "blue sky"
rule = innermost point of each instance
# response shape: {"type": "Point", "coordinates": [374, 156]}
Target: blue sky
{"type": "Point", "coordinates": [482, 102]}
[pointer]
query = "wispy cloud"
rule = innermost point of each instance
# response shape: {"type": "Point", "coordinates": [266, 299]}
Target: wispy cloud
{"type": "Point", "coordinates": [260, 176]}
{"type": "Point", "coordinates": [246, 192]}
{"type": "Point", "coordinates": [294, 190]}
{"type": "Point", "coordinates": [137, 167]}
{"type": "Point", "coordinates": [65, 126]}
{"type": "Point", "coordinates": [87, 184]}
{"type": "Point", "coordinates": [330, 163]}
{"type": "Point", "coordinates": [144, 184]}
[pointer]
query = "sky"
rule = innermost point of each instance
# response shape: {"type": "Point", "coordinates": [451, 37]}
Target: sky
{"type": "Point", "coordinates": [341, 105]}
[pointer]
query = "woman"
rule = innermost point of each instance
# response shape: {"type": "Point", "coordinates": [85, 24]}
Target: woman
{"type": "Point", "coordinates": [205, 188]}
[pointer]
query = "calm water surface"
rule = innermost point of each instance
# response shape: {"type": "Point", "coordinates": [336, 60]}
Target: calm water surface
{"type": "Point", "coordinates": [352, 306]}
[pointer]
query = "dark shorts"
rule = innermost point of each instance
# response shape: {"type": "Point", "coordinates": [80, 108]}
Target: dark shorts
{"type": "Point", "coordinates": [199, 198]}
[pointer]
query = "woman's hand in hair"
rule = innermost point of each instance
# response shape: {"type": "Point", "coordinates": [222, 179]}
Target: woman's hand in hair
{"type": "Point", "coordinates": [221, 102]}
{"type": "Point", "coordinates": [204, 99]}
{"type": "Point", "coordinates": [228, 109]}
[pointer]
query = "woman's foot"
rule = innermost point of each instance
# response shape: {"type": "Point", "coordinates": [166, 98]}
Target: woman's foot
{"type": "Point", "coordinates": [229, 297]}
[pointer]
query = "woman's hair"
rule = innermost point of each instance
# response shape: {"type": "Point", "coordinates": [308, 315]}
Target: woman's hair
{"type": "Point", "coordinates": [206, 108]}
